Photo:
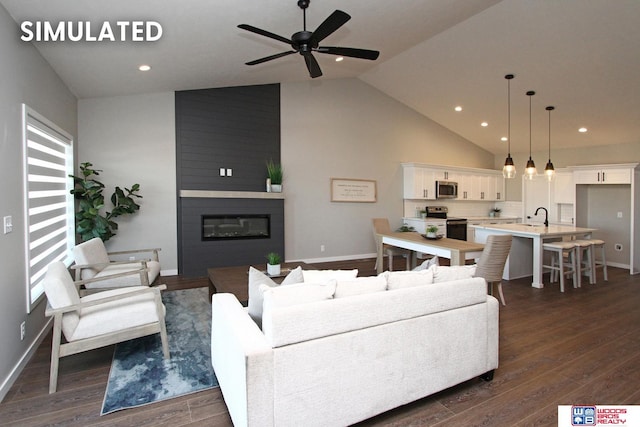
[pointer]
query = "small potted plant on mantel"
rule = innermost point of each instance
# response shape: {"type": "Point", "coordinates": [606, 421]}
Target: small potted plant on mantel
{"type": "Point", "coordinates": [431, 232]}
{"type": "Point", "coordinates": [274, 177]}
{"type": "Point", "coordinates": [273, 264]}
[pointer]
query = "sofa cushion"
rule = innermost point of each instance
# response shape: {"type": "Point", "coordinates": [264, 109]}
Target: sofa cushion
{"type": "Point", "coordinates": [319, 276]}
{"type": "Point", "coordinates": [257, 278]}
{"type": "Point", "coordinates": [407, 279]}
{"type": "Point", "coordinates": [299, 293]}
{"type": "Point", "coordinates": [303, 322]}
{"type": "Point", "coordinates": [153, 270]}
{"type": "Point", "coordinates": [360, 285]}
{"type": "Point", "coordinates": [90, 252]}
{"type": "Point", "coordinates": [456, 272]}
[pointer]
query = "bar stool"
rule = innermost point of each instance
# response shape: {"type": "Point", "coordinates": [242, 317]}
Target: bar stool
{"type": "Point", "coordinates": [602, 263]}
{"type": "Point", "coordinates": [585, 260]}
{"type": "Point", "coordinates": [558, 251]}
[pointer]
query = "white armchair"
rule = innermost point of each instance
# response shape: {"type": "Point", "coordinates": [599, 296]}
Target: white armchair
{"type": "Point", "coordinates": [100, 319]}
{"type": "Point", "coordinates": [93, 261]}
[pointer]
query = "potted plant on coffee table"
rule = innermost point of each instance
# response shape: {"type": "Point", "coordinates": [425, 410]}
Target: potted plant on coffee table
{"type": "Point", "coordinates": [273, 264]}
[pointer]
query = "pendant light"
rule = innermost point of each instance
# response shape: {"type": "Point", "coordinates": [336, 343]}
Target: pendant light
{"type": "Point", "coordinates": [549, 171]}
{"type": "Point", "coordinates": [530, 172]}
{"type": "Point", "coordinates": [509, 169]}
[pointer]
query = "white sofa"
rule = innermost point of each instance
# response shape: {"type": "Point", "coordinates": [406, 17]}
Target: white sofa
{"type": "Point", "coordinates": [338, 361]}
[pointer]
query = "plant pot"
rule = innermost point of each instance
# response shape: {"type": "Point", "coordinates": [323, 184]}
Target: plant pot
{"type": "Point", "coordinates": [431, 235]}
{"type": "Point", "coordinates": [273, 269]}
{"type": "Point", "coordinates": [276, 188]}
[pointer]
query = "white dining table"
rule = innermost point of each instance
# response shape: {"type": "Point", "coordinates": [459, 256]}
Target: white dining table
{"type": "Point", "coordinates": [526, 255]}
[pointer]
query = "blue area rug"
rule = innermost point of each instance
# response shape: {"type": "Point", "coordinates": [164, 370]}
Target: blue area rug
{"type": "Point", "coordinates": [140, 375]}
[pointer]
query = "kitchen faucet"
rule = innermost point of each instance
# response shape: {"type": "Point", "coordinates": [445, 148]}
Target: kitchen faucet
{"type": "Point", "coordinates": [546, 215]}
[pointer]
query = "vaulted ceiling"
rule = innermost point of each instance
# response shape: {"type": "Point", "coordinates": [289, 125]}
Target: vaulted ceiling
{"type": "Point", "coordinates": [580, 56]}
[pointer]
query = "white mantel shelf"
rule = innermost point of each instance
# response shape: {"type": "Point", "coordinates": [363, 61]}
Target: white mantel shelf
{"type": "Point", "coordinates": [230, 194]}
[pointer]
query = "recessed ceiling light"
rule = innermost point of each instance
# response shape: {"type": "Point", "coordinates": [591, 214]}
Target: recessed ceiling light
{"type": "Point", "coordinates": [504, 139]}
{"type": "Point", "coordinates": [458, 108]}
{"type": "Point", "coordinates": [339, 58]}
{"type": "Point", "coordinates": [144, 67]}
{"type": "Point", "coordinates": [484, 124]}
{"type": "Point", "coordinates": [582, 130]}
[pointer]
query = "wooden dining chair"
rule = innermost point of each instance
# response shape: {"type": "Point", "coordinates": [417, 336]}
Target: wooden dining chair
{"type": "Point", "coordinates": [381, 226]}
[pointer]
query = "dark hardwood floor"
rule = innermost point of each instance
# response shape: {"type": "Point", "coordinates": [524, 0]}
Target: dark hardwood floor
{"type": "Point", "coordinates": [580, 347]}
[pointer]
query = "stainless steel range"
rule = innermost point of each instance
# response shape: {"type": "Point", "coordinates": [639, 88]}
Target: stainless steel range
{"type": "Point", "coordinates": [456, 227]}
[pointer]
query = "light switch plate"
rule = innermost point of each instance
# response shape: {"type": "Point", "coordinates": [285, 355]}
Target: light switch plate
{"type": "Point", "coordinates": [8, 224]}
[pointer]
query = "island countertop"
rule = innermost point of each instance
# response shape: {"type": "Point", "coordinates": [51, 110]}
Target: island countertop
{"type": "Point", "coordinates": [536, 230]}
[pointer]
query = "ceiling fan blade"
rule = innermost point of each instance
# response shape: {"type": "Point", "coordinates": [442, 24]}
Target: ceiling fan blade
{"type": "Point", "coordinates": [264, 33]}
{"type": "Point", "coordinates": [269, 58]}
{"type": "Point", "coordinates": [312, 65]}
{"type": "Point", "coordinates": [336, 20]}
{"type": "Point", "coordinates": [349, 51]}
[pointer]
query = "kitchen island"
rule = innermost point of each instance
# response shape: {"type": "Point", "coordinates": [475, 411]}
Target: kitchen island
{"type": "Point", "coordinates": [525, 258]}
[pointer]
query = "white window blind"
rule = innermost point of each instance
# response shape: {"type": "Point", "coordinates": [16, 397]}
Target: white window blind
{"type": "Point", "coordinates": [49, 206]}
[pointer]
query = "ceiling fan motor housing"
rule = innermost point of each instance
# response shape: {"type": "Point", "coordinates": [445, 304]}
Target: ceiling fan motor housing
{"type": "Point", "coordinates": [301, 41]}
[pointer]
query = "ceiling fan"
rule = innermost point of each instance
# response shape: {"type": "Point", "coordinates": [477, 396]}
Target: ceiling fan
{"type": "Point", "coordinates": [306, 42]}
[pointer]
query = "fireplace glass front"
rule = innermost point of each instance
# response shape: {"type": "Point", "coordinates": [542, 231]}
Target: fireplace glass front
{"type": "Point", "coordinates": [227, 227]}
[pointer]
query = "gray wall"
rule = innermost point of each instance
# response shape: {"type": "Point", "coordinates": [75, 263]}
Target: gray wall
{"type": "Point", "coordinates": [25, 77]}
{"type": "Point", "coordinates": [132, 140]}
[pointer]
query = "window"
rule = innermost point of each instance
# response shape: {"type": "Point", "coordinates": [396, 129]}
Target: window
{"type": "Point", "coordinates": [49, 207]}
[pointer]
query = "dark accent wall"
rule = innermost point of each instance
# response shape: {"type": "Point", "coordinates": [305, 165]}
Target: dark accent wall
{"type": "Point", "coordinates": [235, 128]}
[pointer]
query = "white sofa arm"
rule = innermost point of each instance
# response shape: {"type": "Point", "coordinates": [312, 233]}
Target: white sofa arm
{"type": "Point", "coordinates": [242, 361]}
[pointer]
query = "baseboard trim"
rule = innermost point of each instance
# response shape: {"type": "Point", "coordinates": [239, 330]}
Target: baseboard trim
{"type": "Point", "coordinates": [17, 370]}
{"type": "Point", "coordinates": [335, 258]}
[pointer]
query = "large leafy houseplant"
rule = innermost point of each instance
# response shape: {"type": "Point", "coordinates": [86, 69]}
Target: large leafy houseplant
{"type": "Point", "coordinates": [90, 221]}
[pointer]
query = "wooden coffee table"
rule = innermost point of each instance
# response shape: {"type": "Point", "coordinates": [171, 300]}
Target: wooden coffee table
{"type": "Point", "coordinates": [235, 280]}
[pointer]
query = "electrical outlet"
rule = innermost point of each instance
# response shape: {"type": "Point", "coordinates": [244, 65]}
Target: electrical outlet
{"type": "Point", "coordinates": [618, 247]}
{"type": "Point", "coordinates": [619, 214]}
{"type": "Point", "coordinates": [321, 248]}
{"type": "Point", "coordinates": [132, 258]}
{"type": "Point", "coordinates": [8, 224]}
{"type": "Point", "coordinates": [223, 172]}
{"type": "Point", "coordinates": [23, 330]}
{"type": "Point", "coordinates": [229, 172]}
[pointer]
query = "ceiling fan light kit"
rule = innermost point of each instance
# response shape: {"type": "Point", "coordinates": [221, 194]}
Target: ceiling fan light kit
{"type": "Point", "coordinates": [306, 42]}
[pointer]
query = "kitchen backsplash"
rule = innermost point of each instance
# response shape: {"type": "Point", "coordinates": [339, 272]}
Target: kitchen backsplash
{"type": "Point", "coordinates": [464, 209]}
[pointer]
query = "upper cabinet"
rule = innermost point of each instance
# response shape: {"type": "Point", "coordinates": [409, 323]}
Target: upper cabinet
{"type": "Point", "coordinates": [614, 174]}
{"type": "Point", "coordinates": [419, 183]}
{"type": "Point", "coordinates": [473, 184]}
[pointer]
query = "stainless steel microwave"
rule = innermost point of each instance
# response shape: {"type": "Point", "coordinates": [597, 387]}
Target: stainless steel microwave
{"type": "Point", "coordinates": [446, 190]}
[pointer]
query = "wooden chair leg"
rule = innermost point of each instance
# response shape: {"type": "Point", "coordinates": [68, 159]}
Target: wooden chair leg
{"type": "Point", "coordinates": [501, 294]}
{"type": "Point", "coordinates": [55, 353]}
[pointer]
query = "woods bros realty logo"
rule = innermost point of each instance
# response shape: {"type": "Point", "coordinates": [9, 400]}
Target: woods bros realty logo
{"type": "Point", "coordinates": [598, 415]}
{"type": "Point", "coordinates": [85, 31]}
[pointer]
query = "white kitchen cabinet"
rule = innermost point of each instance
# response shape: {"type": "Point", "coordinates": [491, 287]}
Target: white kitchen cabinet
{"type": "Point", "coordinates": [602, 175]}
{"type": "Point", "coordinates": [473, 184]}
{"type": "Point", "coordinates": [419, 183]}
{"type": "Point", "coordinates": [564, 190]}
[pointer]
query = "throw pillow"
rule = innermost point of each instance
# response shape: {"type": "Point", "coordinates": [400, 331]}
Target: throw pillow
{"type": "Point", "coordinates": [300, 293]}
{"type": "Point", "coordinates": [319, 276]}
{"type": "Point", "coordinates": [257, 278]}
{"type": "Point", "coordinates": [427, 264]}
{"type": "Point", "coordinates": [456, 272]}
{"type": "Point", "coordinates": [408, 279]}
{"type": "Point", "coordinates": [360, 285]}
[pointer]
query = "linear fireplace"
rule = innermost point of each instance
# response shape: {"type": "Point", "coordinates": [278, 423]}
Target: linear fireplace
{"type": "Point", "coordinates": [227, 227]}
